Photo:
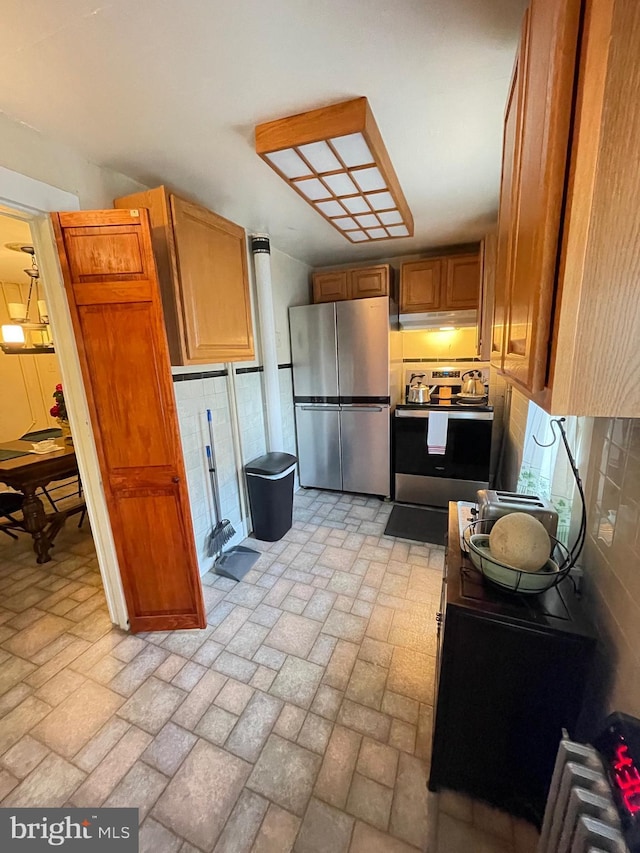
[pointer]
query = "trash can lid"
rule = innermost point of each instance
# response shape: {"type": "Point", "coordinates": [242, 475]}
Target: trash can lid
{"type": "Point", "coordinates": [271, 463]}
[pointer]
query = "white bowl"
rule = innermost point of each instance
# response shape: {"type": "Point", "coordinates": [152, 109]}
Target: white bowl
{"type": "Point", "coordinates": [508, 577]}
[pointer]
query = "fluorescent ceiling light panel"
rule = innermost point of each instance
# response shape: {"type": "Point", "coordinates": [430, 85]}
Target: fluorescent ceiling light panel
{"type": "Point", "coordinates": [369, 179]}
{"type": "Point", "coordinates": [320, 157]}
{"type": "Point", "coordinates": [356, 204]}
{"type": "Point", "coordinates": [290, 164]}
{"type": "Point", "coordinates": [330, 208]}
{"type": "Point", "coordinates": [391, 217]}
{"type": "Point", "coordinates": [353, 150]}
{"type": "Point", "coordinates": [340, 144]}
{"type": "Point", "coordinates": [346, 223]}
{"type": "Point", "coordinates": [398, 230]}
{"type": "Point", "coordinates": [340, 184]}
{"type": "Point", "coordinates": [313, 188]}
{"type": "Point", "coordinates": [381, 201]}
{"type": "Point", "coordinates": [368, 220]}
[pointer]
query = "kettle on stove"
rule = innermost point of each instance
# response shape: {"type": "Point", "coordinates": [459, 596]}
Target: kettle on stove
{"type": "Point", "coordinates": [473, 386]}
{"type": "Point", "coordinates": [419, 393]}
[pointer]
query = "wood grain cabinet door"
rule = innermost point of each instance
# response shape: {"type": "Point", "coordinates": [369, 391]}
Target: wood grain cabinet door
{"type": "Point", "coordinates": [112, 289]}
{"type": "Point", "coordinates": [549, 68]}
{"type": "Point", "coordinates": [330, 286]}
{"type": "Point", "coordinates": [368, 282]}
{"type": "Point", "coordinates": [211, 254]}
{"type": "Point", "coordinates": [462, 282]}
{"type": "Point", "coordinates": [420, 284]}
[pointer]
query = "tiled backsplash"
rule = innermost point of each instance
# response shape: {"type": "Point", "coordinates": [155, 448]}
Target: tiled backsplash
{"type": "Point", "coordinates": [611, 557]}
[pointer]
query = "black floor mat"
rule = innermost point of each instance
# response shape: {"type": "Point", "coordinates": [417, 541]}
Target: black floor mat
{"type": "Point", "coordinates": [42, 434]}
{"type": "Point", "coordinates": [421, 524]}
{"type": "Point", "coordinates": [5, 455]}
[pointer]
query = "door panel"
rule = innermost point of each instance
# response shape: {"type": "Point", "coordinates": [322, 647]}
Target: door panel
{"type": "Point", "coordinates": [366, 449]}
{"type": "Point", "coordinates": [549, 70]}
{"type": "Point", "coordinates": [117, 317]}
{"type": "Point", "coordinates": [369, 282]}
{"type": "Point", "coordinates": [420, 283]}
{"type": "Point", "coordinates": [363, 347]}
{"type": "Point", "coordinates": [463, 282]}
{"type": "Point", "coordinates": [313, 351]}
{"type": "Point", "coordinates": [318, 432]}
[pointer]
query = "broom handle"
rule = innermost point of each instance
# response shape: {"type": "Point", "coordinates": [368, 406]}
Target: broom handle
{"type": "Point", "coordinates": [211, 458]}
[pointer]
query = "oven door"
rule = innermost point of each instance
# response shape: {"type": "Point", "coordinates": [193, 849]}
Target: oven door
{"type": "Point", "coordinates": [468, 449]}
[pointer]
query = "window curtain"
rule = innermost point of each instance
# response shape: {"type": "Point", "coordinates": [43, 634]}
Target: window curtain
{"type": "Point", "coordinates": [546, 471]}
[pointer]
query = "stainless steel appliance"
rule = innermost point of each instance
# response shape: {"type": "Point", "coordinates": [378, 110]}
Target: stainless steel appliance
{"type": "Point", "coordinates": [434, 479]}
{"type": "Point", "coordinates": [493, 505]}
{"type": "Point", "coordinates": [344, 393]}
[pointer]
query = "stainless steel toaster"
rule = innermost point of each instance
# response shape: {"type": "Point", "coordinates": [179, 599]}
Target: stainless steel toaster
{"type": "Point", "coordinates": [493, 504]}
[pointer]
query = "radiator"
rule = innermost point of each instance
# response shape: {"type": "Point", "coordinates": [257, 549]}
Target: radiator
{"type": "Point", "coordinates": [580, 814]}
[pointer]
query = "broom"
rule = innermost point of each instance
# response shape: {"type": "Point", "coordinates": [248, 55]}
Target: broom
{"type": "Point", "coordinates": [223, 530]}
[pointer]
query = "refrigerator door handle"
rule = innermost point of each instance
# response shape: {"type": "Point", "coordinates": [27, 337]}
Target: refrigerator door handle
{"type": "Point", "coordinates": [364, 408]}
{"type": "Point", "coordinates": [318, 408]}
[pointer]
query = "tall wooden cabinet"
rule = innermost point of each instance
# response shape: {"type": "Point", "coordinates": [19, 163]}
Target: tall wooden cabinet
{"type": "Point", "coordinates": [352, 283]}
{"type": "Point", "coordinates": [442, 283]}
{"type": "Point", "coordinates": [202, 267]}
{"type": "Point", "coordinates": [568, 249]}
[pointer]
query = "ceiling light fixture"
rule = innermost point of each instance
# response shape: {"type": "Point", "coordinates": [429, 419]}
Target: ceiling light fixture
{"type": "Point", "coordinates": [38, 337]}
{"type": "Point", "coordinates": [334, 157]}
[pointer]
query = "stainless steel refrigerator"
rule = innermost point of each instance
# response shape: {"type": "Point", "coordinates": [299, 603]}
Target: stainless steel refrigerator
{"type": "Point", "coordinates": [345, 385]}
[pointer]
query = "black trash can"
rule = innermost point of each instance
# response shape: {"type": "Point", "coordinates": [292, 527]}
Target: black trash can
{"type": "Point", "coordinates": [270, 486]}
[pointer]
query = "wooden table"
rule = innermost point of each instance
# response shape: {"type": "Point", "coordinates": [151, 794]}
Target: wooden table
{"type": "Point", "coordinates": [28, 473]}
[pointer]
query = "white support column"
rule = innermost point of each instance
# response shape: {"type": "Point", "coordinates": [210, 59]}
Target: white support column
{"type": "Point", "coordinates": [262, 263]}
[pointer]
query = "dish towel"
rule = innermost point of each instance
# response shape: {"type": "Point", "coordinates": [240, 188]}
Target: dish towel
{"type": "Point", "coordinates": [438, 424]}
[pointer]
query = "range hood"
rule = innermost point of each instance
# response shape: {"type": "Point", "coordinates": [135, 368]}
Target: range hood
{"type": "Point", "coordinates": [437, 319]}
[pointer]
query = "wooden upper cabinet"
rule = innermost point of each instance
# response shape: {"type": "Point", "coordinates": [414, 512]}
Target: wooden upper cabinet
{"type": "Point", "coordinates": [462, 282]}
{"type": "Point", "coordinates": [356, 283]}
{"type": "Point", "coordinates": [443, 283]}
{"type": "Point", "coordinates": [369, 281]}
{"type": "Point", "coordinates": [487, 295]}
{"type": "Point", "coordinates": [528, 260]}
{"type": "Point", "coordinates": [420, 283]}
{"type": "Point", "coordinates": [330, 286]}
{"type": "Point", "coordinates": [202, 267]}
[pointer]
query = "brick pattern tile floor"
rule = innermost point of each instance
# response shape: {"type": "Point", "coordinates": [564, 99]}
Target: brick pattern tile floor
{"type": "Point", "coordinates": [298, 720]}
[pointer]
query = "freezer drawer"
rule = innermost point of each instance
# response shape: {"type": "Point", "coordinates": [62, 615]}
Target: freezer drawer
{"type": "Point", "coordinates": [366, 449]}
{"type": "Point", "coordinates": [318, 431]}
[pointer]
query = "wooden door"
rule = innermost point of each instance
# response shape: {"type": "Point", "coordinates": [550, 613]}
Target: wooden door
{"type": "Point", "coordinates": [549, 70]}
{"type": "Point", "coordinates": [111, 284]}
{"type": "Point", "coordinates": [420, 283]}
{"type": "Point", "coordinates": [211, 254]}
{"type": "Point", "coordinates": [462, 282]}
{"type": "Point", "coordinates": [330, 286]}
{"type": "Point", "coordinates": [369, 281]}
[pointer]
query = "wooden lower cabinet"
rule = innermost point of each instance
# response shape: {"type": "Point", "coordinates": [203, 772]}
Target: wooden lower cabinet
{"type": "Point", "coordinates": [443, 283]}
{"type": "Point", "coordinates": [355, 283]}
{"type": "Point", "coordinates": [204, 280]}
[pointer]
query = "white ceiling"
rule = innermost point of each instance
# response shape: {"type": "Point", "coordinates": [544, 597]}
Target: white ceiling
{"type": "Point", "coordinates": [170, 92]}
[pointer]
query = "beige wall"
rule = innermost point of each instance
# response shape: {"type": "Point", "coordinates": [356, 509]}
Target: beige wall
{"type": "Point", "coordinates": [611, 557]}
{"type": "Point", "coordinates": [459, 343]}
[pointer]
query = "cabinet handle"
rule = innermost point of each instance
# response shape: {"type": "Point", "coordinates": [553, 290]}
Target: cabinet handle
{"type": "Point", "coordinates": [175, 479]}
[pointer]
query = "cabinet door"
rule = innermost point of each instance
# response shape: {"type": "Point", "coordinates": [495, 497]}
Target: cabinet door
{"type": "Point", "coordinates": [330, 286]}
{"type": "Point", "coordinates": [508, 186]}
{"type": "Point", "coordinates": [211, 254]}
{"type": "Point", "coordinates": [112, 289]}
{"type": "Point", "coordinates": [420, 286]}
{"type": "Point", "coordinates": [487, 295]}
{"type": "Point", "coordinates": [370, 281]}
{"type": "Point", "coordinates": [549, 68]}
{"type": "Point", "coordinates": [463, 282]}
